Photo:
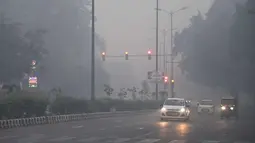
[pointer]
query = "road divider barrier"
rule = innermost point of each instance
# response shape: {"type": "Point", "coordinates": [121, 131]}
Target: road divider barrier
{"type": "Point", "coordinates": [23, 122]}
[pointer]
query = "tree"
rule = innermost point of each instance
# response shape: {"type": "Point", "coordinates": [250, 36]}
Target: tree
{"type": "Point", "coordinates": [218, 51]}
{"type": "Point", "coordinates": [68, 42]}
{"type": "Point", "coordinates": [17, 50]}
{"type": "Point", "coordinates": [242, 46]}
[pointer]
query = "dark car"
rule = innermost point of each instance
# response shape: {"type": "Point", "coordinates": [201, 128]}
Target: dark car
{"type": "Point", "coordinates": [228, 107]}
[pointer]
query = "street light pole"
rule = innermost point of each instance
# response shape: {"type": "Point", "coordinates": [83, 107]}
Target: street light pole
{"type": "Point", "coordinates": [157, 8]}
{"type": "Point", "coordinates": [93, 52]}
{"type": "Point", "coordinates": [164, 52]}
{"type": "Point", "coordinates": [171, 48]}
{"type": "Point", "coordinates": [172, 57]}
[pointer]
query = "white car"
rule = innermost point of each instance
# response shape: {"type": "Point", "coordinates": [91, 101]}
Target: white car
{"type": "Point", "coordinates": [205, 106]}
{"type": "Point", "coordinates": [174, 108]}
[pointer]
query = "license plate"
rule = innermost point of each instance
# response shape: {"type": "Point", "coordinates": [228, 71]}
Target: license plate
{"type": "Point", "coordinates": [205, 110]}
{"type": "Point", "coordinates": [172, 114]}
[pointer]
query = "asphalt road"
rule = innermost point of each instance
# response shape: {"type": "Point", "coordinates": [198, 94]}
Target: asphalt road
{"type": "Point", "coordinates": [144, 128]}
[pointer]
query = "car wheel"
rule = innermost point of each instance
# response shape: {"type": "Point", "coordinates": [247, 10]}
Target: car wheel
{"type": "Point", "coordinates": [161, 119]}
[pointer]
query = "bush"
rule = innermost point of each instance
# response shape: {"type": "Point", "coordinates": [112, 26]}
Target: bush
{"type": "Point", "coordinates": [18, 105]}
{"type": "Point", "coordinates": [67, 105]}
{"type": "Point", "coordinates": [35, 104]}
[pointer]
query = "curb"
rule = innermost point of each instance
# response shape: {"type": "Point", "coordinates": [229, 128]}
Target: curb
{"type": "Point", "coordinates": [23, 122]}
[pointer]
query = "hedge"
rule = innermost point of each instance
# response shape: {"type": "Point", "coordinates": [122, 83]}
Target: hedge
{"type": "Point", "coordinates": [14, 106]}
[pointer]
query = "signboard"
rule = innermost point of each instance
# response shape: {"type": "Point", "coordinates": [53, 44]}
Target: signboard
{"type": "Point", "coordinates": [32, 81]}
{"type": "Point", "coordinates": [154, 76]}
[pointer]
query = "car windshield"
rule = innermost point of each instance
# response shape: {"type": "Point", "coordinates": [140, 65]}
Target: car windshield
{"type": "Point", "coordinates": [228, 101]}
{"type": "Point", "coordinates": [174, 102]}
{"type": "Point", "coordinates": [206, 102]}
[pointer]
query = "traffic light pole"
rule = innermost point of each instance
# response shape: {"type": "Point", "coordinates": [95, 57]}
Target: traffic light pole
{"type": "Point", "coordinates": [93, 52]}
{"type": "Point", "coordinates": [164, 58]}
{"type": "Point", "coordinates": [157, 8]}
{"type": "Point", "coordinates": [172, 57]}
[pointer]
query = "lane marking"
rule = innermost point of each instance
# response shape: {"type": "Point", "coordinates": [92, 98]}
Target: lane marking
{"type": "Point", "coordinates": [61, 139]}
{"type": "Point", "coordinates": [207, 141]}
{"type": "Point", "coordinates": [178, 141]}
{"type": "Point", "coordinates": [142, 136]}
{"type": "Point", "coordinates": [91, 139]}
{"type": "Point", "coordinates": [32, 138]}
{"type": "Point", "coordinates": [117, 126]}
{"type": "Point", "coordinates": [77, 127]}
{"type": "Point", "coordinates": [121, 140]}
{"type": "Point", "coordinates": [148, 141]}
{"type": "Point", "coordinates": [118, 121]}
{"type": "Point", "coordinates": [8, 137]}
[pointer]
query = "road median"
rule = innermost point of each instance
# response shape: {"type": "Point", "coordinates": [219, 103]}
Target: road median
{"type": "Point", "coordinates": [24, 122]}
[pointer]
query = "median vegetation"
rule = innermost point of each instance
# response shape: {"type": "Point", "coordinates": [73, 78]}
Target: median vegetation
{"type": "Point", "coordinates": [20, 105]}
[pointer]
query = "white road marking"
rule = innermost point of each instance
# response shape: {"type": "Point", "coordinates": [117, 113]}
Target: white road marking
{"type": "Point", "coordinates": [178, 141]}
{"type": "Point", "coordinates": [8, 137]}
{"type": "Point", "coordinates": [140, 128]}
{"type": "Point", "coordinates": [91, 139]}
{"type": "Point", "coordinates": [76, 127]}
{"type": "Point", "coordinates": [33, 138]}
{"type": "Point", "coordinates": [148, 141]}
{"type": "Point", "coordinates": [210, 141]}
{"type": "Point", "coordinates": [118, 121]}
{"type": "Point", "coordinates": [117, 126]}
{"type": "Point", "coordinates": [61, 139]}
{"type": "Point", "coordinates": [121, 140]}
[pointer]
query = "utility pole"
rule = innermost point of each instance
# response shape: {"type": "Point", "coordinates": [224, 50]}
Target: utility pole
{"type": "Point", "coordinates": [172, 57]}
{"type": "Point", "coordinates": [157, 8]}
{"type": "Point", "coordinates": [164, 52]}
{"type": "Point", "coordinates": [93, 52]}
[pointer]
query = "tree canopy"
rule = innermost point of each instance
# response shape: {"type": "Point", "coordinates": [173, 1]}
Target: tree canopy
{"type": "Point", "coordinates": [18, 49]}
{"type": "Point", "coordinates": [219, 50]}
{"type": "Point", "coordinates": [68, 43]}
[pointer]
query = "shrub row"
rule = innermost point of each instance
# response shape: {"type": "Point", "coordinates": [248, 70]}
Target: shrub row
{"type": "Point", "coordinates": [17, 106]}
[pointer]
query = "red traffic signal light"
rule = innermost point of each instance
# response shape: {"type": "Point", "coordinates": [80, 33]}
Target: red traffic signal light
{"type": "Point", "coordinates": [126, 55]}
{"type": "Point", "coordinates": [103, 56]}
{"type": "Point", "coordinates": [149, 55]}
{"type": "Point", "coordinates": [165, 79]}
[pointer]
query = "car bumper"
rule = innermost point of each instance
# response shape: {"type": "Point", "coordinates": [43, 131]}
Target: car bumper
{"type": "Point", "coordinates": [205, 110]}
{"type": "Point", "coordinates": [180, 116]}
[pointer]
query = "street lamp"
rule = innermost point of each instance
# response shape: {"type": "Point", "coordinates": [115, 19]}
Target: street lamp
{"type": "Point", "coordinates": [93, 51]}
{"type": "Point", "coordinates": [171, 13]}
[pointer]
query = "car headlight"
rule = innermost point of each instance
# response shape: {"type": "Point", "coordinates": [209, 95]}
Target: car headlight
{"type": "Point", "coordinates": [163, 109]}
{"type": "Point", "coordinates": [223, 108]}
{"type": "Point", "coordinates": [231, 108]}
{"type": "Point", "coordinates": [182, 110]}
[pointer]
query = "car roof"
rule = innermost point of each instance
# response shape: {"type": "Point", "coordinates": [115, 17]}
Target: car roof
{"type": "Point", "coordinates": [175, 98]}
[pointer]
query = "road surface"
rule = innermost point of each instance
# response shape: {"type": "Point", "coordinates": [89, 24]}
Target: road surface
{"type": "Point", "coordinates": [145, 128]}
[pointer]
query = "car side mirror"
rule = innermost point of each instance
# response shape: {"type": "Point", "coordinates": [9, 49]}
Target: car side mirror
{"type": "Point", "coordinates": [187, 105]}
{"type": "Point", "coordinates": [197, 103]}
{"type": "Point", "coordinates": [161, 105]}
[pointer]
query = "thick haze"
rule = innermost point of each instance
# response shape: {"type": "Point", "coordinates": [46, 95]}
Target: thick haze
{"type": "Point", "coordinates": [122, 25]}
{"type": "Point", "coordinates": [128, 25]}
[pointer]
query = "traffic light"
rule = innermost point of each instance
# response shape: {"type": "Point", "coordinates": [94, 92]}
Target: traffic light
{"type": "Point", "coordinates": [149, 55]}
{"type": "Point", "coordinates": [126, 55]}
{"type": "Point", "coordinates": [172, 84]}
{"type": "Point", "coordinates": [103, 56]}
{"type": "Point", "coordinates": [165, 79]}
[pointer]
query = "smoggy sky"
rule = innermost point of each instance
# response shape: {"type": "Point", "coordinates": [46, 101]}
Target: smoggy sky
{"type": "Point", "coordinates": [129, 25]}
